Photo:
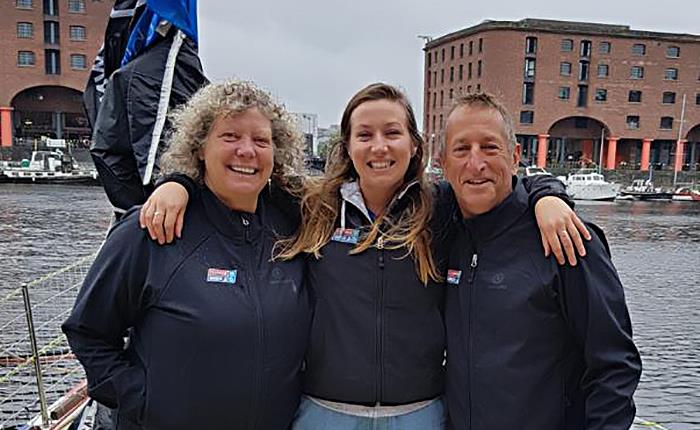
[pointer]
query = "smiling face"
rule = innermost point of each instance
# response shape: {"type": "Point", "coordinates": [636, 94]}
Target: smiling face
{"type": "Point", "coordinates": [478, 158]}
{"type": "Point", "coordinates": [380, 145]}
{"type": "Point", "coordinates": [238, 158]}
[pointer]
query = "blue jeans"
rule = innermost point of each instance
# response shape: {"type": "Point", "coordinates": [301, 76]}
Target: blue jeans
{"type": "Point", "coordinates": [312, 416]}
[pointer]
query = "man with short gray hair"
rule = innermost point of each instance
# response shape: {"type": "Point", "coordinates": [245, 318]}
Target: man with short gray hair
{"type": "Point", "coordinates": [531, 345]}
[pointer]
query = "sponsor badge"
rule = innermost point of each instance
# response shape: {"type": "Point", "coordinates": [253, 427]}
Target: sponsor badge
{"type": "Point", "coordinates": [453, 276]}
{"type": "Point", "coordinates": [346, 235]}
{"type": "Point", "coordinates": [222, 276]}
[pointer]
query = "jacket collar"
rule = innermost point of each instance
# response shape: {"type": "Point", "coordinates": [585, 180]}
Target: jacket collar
{"type": "Point", "coordinates": [499, 219]}
{"type": "Point", "coordinates": [229, 222]}
{"type": "Point", "coordinates": [350, 193]}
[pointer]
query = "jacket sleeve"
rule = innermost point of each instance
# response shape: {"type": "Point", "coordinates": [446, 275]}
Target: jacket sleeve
{"type": "Point", "coordinates": [593, 302]}
{"type": "Point", "coordinates": [111, 148]}
{"type": "Point", "coordinates": [113, 296]}
{"type": "Point", "coordinates": [539, 186]}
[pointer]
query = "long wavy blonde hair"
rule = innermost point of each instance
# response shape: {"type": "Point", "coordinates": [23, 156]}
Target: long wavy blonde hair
{"type": "Point", "coordinates": [192, 123]}
{"type": "Point", "coordinates": [320, 204]}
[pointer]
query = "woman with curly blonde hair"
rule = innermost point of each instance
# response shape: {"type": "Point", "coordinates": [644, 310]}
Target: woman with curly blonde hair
{"type": "Point", "coordinates": [374, 232]}
{"type": "Point", "coordinates": [217, 331]}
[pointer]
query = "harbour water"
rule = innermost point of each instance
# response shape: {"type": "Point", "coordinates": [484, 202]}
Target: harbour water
{"type": "Point", "coordinates": [655, 246]}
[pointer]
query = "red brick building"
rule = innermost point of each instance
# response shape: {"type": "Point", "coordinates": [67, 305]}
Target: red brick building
{"type": "Point", "coordinates": [46, 51]}
{"type": "Point", "coordinates": [572, 86]}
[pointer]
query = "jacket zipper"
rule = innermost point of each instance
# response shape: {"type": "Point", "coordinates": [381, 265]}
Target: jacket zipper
{"type": "Point", "coordinates": [380, 331]}
{"type": "Point", "coordinates": [253, 293]}
{"type": "Point", "coordinates": [472, 273]}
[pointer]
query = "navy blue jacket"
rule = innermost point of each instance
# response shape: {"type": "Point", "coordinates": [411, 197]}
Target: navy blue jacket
{"type": "Point", "coordinates": [208, 348]}
{"type": "Point", "coordinates": [530, 344]}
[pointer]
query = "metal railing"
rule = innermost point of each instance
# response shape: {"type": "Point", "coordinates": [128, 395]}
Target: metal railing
{"type": "Point", "coordinates": [36, 365]}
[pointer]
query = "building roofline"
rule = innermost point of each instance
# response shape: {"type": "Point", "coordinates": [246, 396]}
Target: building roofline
{"type": "Point", "coordinates": [562, 27]}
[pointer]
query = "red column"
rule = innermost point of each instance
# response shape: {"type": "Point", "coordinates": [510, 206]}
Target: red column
{"type": "Point", "coordinates": [646, 150]}
{"type": "Point", "coordinates": [542, 145]}
{"type": "Point", "coordinates": [612, 152]}
{"type": "Point", "coordinates": [587, 149]}
{"type": "Point", "coordinates": [680, 146]}
{"type": "Point", "coordinates": [5, 126]}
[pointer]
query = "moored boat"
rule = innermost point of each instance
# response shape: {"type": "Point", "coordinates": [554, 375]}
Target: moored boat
{"type": "Point", "coordinates": [590, 185]}
{"type": "Point", "coordinates": [643, 189]}
{"type": "Point", "coordinates": [686, 194]}
{"type": "Point", "coordinates": [48, 167]}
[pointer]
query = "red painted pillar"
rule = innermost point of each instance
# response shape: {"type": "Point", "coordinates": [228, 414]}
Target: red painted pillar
{"type": "Point", "coordinates": [542, 146]}
{"type": "Point", "coordinates": [587, 149]}
{"type": "Point", "coordinates": [5, 126]}
{"type": "Point", "coordinates": [646, 150]}
{"type": "Point", "coordinates": [680, 146]}
{"type": "Point", "coordinates": [612, 152]}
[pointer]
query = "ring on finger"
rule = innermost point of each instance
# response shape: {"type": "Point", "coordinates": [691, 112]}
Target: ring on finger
{"type": "Point", "coordinates": [563, 232]}
{"type": "Point", "coordinates": [156, 213]}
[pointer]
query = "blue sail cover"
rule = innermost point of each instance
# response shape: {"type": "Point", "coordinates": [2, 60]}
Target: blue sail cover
{"type": "Point", "coordinates": [180, 13]}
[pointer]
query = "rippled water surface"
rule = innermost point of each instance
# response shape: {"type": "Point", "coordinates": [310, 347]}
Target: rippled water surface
{"type": "Point", "coordinates": [655, 246]}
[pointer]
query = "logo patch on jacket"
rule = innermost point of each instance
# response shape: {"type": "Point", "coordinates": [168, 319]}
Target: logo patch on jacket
{"type": "Point", "coordinates": [453, 276]}
{"type": "Point", "coordinates": [222, 276]}
{"type": "Point", "coordinates": [346, 235]}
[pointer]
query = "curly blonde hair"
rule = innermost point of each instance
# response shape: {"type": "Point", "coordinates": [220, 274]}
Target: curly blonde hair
{"type": "Point", "coordinates": [320, 204]}
{"type": "Point", "coordinates": [192, 123]}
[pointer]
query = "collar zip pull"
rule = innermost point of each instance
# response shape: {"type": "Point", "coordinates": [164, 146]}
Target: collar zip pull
{"type": "Point", "coordinates": [380, 248]}
{"type": "Point", "coordinates": [246, 224]}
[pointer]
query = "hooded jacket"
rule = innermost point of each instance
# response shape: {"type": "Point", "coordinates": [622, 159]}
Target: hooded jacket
{"type": "Point", "coordinates": [217, 330]}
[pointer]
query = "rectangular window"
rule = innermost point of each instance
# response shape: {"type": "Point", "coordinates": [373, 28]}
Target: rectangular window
{"type": "Point", "coordinates": [582, 99]}
{"type": "Point", "coordinates": [478, 69]}
{"type": "Point", "coordinates": [637, 72]}
{"type": "Point", "coordinates": [673, 52]}
{"type": "Point", "coordinates": [434, 100]}
{"type": "Point", "coordinates": [697, 99]}
{"type": "Point", "coordinates": [564, 93]}
{"type": "Point", "coordinates": [586, 48]}
{"type": "Point", "coordinates": [567, 45]}
{"type": "Point", "coordinates": [51, 32]}
{"type": "Point", "coordinates": [51, 7]}
{"type": "Point", "coordinates": [671, 74]}
{"type": "Point", "coordinates": [76, 6]}
{"type": "Point", "coordinates": [565, 69]}
{"type": "Point", "coordinates": [53, 61]}
{"type": "Point", "coordinates": [668, 98]}
{"type": "Point", "coordinates": [666, 123]}
{"type": "Point", "coordinates": [25, 58]}
{"type": "Point", "coordinates": [471, 47]}
{"type": "Point", "coordinates": [461, 71]}
{"type": "Point", "coordinates": [429, 59]}
{"type": "Point", "coordinates": [451, 93]}
{"type": "Point", "coordinates": [528, 93]}
{"type": "Point", "coordinates": [442, 98]}
{"type": "Point", "coordinates": [604, 47]}
{"type": "Point", "coordinates": [452, 52]}
{"type": "Point", "coordinates": [639, 49]}
{"type": "Point", "coordinates": [442, 76]}
{"type": "Point", "coordinates": [481, 45]}
{"type": "Point", "coordinates": [478, 88]}
{"type": "Point", "coordinates": [529, 67]}
{"type": "Point", "coordinates": [461, 50]}
{"type": "Point", "coordinates": [435, 78]}
{"type": "Point", "coordinates": [78, 62]}
{"type": "Point", "coordinates": [603, 70]}
{"type": "Point", "coordinates": [469, 71]}
{"type": "Point", "coordinates": [632, 122]}
{"type": "Point", "coordinates": [527, 117]}
{"type": "Point", "coordinates": [634, 96]}
{"type": "Point", "coordinates": [531, 45]}
{"type": "Point", "coordinates": [452, 73]}
{"type": "Point", "coordinates": [442, 53]}
{"type": "Point", "coordinates": [25, 30]}
{"type": "Point", "coordinates": [78, 32]}
{"type": "Point", "coordinates": [601, 95]}
{"type": "Point", "coordinates": [583, 67]}
{"type": "Point", "coordinates": [24, 4]}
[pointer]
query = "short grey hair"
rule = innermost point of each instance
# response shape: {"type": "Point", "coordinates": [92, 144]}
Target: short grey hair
{"type": "Point", "coordinates": [486, 101]}
{"type": "Point", "coordinates": [192, 123]}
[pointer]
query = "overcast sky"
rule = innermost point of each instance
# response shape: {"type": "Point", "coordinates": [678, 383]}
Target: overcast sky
{"type": "Point", "coordinates": [315, 54]}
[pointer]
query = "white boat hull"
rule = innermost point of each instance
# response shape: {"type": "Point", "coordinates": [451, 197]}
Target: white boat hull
{"type": "Point", "coordinates": [597, 192]}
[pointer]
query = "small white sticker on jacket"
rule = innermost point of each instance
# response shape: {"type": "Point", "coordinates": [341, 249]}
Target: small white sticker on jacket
{"type": "Point", "coordinates": [222, 275]}
{"type": "Point", "coordinates": [453, 276]}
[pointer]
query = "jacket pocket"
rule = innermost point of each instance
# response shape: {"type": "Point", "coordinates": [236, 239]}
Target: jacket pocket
{"type": "Point", "coordinates": [130, 386]}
